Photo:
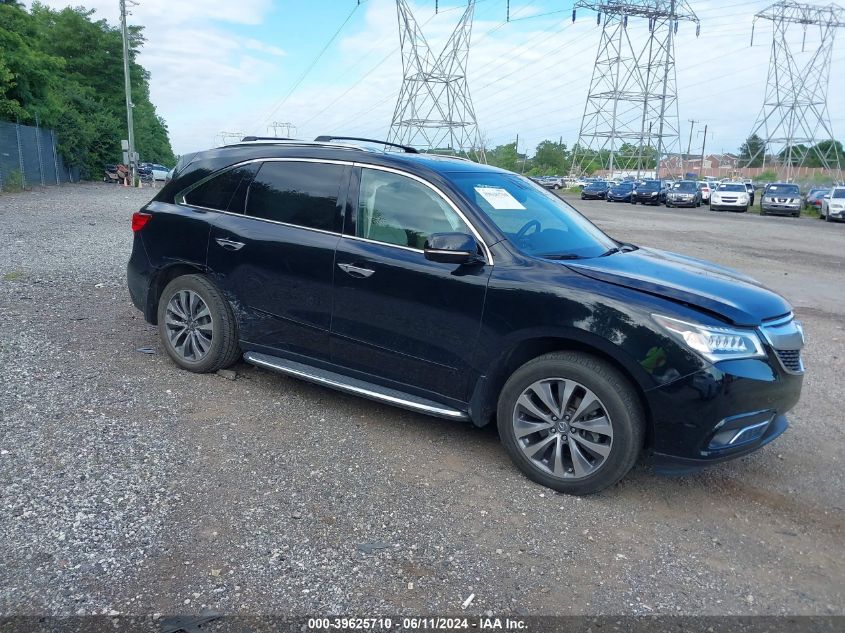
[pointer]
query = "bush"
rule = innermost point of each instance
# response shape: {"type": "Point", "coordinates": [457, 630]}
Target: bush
{"type": "Point", "coordinates": [13, 182]}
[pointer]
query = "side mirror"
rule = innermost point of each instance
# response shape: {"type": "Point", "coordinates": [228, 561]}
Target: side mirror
{"type": "Point", "coordinates": [451, 248]}
{"type": "Point", "coordinates": [827, 196]}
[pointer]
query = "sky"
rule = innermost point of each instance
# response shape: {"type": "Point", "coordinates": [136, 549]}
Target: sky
{"type": "Point", "coordinates": [334, 67]}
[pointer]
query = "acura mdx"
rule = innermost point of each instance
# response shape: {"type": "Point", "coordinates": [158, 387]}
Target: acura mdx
{"type": "Point", "coordinates": [467, 292]}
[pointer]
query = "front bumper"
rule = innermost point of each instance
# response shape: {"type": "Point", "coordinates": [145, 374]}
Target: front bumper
{"type": "Point", "coordinates": [723, 412]}
{"type": "Point", "coordinates": [616, 198]}
{"type": "Point", "coordinates": [780, 209]}
{"type": "Point", "coordinates": [679, 202]}
{"type": "Point", "coordinates": [646, 199]}
{"type": "Point", "coordinates": [589, 195]}
{"type": "Point", "coordinates": [729, 205]}
{"type": "Point", "coordinates": [838, 214]}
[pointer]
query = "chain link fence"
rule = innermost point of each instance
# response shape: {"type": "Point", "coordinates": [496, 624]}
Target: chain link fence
{"type": "Point", "coordinates": [29, 157]}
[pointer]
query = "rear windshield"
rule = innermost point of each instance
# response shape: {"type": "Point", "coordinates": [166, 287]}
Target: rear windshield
{"type": "Point", "coordinates": [727, 186]}
{"type": "Point", "coordinates": [536, 221]}
{"type": "Point", "coordinates": [787, 190]}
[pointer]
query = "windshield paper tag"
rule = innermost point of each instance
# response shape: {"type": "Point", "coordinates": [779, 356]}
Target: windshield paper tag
{"type": "Point", "coordinates": [499, 198]}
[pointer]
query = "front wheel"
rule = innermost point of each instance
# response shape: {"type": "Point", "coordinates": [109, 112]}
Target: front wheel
{"type": "Point", "coordinates": [197, 326]}
{"type": "Point", "coordinates": [571, 421]}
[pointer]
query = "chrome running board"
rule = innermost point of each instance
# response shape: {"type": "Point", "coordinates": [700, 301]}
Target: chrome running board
{"type": "Point", "coordinates": [354, 386]}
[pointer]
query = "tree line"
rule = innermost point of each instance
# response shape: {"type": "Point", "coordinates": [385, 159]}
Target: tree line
{"type": "Point", "coordinates": [62, 69]}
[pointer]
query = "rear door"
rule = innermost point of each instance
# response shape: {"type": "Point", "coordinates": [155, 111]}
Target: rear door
{"type": "Point", "coordinates": [274, 256]}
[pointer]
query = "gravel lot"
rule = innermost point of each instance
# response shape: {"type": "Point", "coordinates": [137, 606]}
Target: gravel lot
{"type": "Point", "coordinates": [130, 486]}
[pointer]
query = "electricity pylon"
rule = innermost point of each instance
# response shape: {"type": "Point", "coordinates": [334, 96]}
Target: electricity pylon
{"type": "Point", "coordinates": [794, 122]}
{"type": "Point", "coordinates": [632, 104]}
{"type": "Point", "coordinates": [434, 110]}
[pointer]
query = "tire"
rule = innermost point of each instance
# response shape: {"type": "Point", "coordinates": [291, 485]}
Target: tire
{"type": "Point", "coordinates": [616, 399]}
{"type": "Point", "coordinates": [223, 349]}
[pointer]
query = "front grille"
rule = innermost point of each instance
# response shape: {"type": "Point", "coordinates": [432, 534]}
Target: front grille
{"type": "Point", "coordinates": [790, 359]}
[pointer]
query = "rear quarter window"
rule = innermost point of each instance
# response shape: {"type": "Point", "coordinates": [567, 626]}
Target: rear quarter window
{"type": "Point", "coordinates": [224, 192]}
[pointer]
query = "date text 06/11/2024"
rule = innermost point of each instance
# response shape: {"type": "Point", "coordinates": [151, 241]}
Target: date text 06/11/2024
{"type": "Point", "coordinates": [412, 624]}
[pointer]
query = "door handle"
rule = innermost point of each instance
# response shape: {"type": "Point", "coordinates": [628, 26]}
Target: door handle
{"type": "Point", "coordinates": [229, 245]}
{"type": "Point", "coordinates": [356, 271]}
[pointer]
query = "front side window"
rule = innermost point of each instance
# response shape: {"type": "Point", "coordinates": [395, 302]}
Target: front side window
{"type": "Point", "coordinates": [302, 194]}
{"type": "Point", "coordinates": [533, 219]}
{"type": "Point", "coordinates": [398, 210]}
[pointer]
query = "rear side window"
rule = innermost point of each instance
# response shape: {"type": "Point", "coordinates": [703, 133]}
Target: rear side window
{"type": "Point", "coordinates": [303, 194]}
{"type": "Point", "coordinates": [225, 192]}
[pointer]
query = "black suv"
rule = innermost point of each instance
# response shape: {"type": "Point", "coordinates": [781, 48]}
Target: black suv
{"type": "Point", "coordinates": [466, 292]}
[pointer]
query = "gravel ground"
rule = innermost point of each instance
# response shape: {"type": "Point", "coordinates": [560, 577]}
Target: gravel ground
{"type": "Point", "coordinates": [130, 486]}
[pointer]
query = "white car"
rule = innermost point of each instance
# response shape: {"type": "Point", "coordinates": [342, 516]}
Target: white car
{"type": "Point", "coordinates": [730, 196]}
{"type": "Point", "coordinates": [159, 171]}
{"type": "Point", "coordinates": [705, 189]}
{"type": "Point", "coordinates": [833, 205]}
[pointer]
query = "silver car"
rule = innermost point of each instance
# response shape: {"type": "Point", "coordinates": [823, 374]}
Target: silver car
{"type": "Point", "coordinates": [781, 198]}
{"type": "Point", "coordinates": [833, 205]}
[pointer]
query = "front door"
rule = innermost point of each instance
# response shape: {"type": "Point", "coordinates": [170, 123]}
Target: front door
{"type": "Point", "coordinates": [397, 315]}
{"type": "Point", "coordinates": [275, 260]}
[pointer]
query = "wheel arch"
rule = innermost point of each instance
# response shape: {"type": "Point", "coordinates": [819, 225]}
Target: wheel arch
{"type": "Point", "coordinates": [159, 282]}
{"type": "Point", "coordinates": [485, 397]}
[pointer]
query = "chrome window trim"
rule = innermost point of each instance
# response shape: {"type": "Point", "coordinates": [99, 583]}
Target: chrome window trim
{"type": "Point", "coordinates": [488, 255]}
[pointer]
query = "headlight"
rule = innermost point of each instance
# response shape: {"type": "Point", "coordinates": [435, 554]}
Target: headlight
{"type": "Point", "coordinates": [743, 197]}
{"type": "Point", "coordinates": [654, 193]}
{"type": "Point", "coordinates": [712, 342]}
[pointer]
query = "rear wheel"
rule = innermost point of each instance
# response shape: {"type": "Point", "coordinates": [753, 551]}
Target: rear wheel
{"type": "Point", "coordinates": [197, 325]}
{"type": "Point", "coordinates": [571, 421]}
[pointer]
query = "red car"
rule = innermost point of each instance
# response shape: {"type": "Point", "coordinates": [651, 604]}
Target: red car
{"type": "Point", "coordinates": [814, 198]}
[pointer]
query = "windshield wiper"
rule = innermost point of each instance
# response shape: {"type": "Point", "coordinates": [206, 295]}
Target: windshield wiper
{"type": "Point", "coordinates": [622, 248]}
{"type": "Point", "coordinates": [562, 256]}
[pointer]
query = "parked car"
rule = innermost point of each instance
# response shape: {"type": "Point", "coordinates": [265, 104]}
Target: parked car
{"type": "Point", "coordinates": [466, 292]}
{"type": "Point", "coordinates": [833, 205]}
{"type": "Point", "coordinates": [649, 192]}
{"type": "Point", "coordinates": [704, 188]}
{"type": "Point", "coordinates": [730, 196]}
{"type": "Point", "coordinates": [553, 182]}
{"type": "Point", "coordinates": [814, 197]}
{"type": "Point", "coordinates": [595, 191]}
{"type": "Point", "coordinates": [684, 193]}
{"type": "Point", "coordinates": [781, 198]}
{"type": "Point", "coordinates": [159, 172]}
{"type": "Point", "coordinates": [621, 192]}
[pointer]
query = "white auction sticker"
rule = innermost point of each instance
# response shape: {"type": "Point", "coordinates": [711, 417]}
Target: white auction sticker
{"type": "Point", "coordinates": [499, 198]}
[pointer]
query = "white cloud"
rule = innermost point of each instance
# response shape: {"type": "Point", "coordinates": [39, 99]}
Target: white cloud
{"type": "Point", "coordinates": [529, 77]}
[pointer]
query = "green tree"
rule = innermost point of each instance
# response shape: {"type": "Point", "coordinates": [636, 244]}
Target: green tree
{"type": "Point", "coordinates": [505, 157]}
{"type": "Point", "coordinates": [550, 158]}
{"type": "Point", "coordinates": [64, 69]}
{"type": "Point", "coordinates": [752, 152]}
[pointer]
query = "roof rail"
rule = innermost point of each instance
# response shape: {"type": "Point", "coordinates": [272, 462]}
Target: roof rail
{"type": "Point", "coordinates": [250, 139]}
{"type": "Point", "coordinates": [328, 139]}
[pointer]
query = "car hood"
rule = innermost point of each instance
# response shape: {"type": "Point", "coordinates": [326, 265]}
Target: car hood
{"type": "Point", "coordinates": [726, 292]}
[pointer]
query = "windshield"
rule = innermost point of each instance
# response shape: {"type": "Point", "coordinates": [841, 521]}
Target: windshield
{"type": "Point", "coordinates": [533, 219]}
{"type": "Point", "coordinates": [596, 185]}
{"type": "Point", "coordinates": [685, 185]}
{"type": "Point", "coordinates": [625, 186]}
{"type": "Point", "coordinates": [650, 185]}
{"type": "Point", "coordinates": [838, 193]}
{"type": "Point", "coordinates": [783, 190]}
{"type": "Point", "coordinates": [731, 187]}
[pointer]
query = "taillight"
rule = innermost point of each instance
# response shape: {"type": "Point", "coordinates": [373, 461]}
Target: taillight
{"type": "Point", "coordinates": [139, 220]}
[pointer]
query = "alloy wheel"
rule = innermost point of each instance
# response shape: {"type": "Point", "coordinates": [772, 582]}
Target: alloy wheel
{"type": "Point", "coordinates": [189, 324]}
{"type": "Point", "coordinates": [562, 428]}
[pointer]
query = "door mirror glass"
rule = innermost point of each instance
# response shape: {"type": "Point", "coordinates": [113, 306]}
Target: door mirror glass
{"type": "Point", "coordinates": [451, 248]}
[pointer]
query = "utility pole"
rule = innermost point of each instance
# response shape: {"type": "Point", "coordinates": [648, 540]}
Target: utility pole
{"type": "Point", "coordinates": [703, 143]}
{"type": "Point", "coordinates": [133, 166]}
{"type": "Point", "coordinates": [689, 147]}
